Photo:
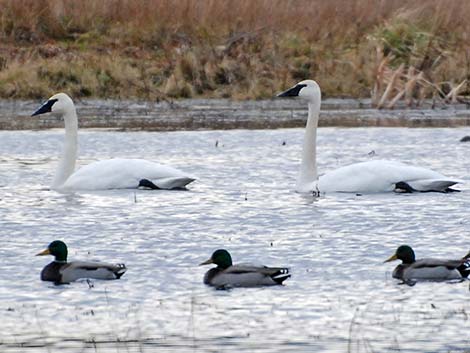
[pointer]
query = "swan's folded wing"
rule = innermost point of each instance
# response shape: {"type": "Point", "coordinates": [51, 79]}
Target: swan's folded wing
{"type": "Point", "coordinates": [97, 270]}
{"type": "Point", "coordinates": [433, 184]}
{"type": "Point", "coordinates": [173, 182]}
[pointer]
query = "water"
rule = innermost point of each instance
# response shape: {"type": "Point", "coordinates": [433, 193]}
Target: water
{"type": "Point", "coordinates": [341, 296]}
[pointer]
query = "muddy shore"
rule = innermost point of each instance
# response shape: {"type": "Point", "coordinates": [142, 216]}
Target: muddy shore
{"type": "Point", "coordinates": [207, 114]}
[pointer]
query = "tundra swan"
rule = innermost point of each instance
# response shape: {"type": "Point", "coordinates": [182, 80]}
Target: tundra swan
{"type": "Point", "coordinates": [365, 177]}
{"type": "Point", "coordinates": [108, 174]}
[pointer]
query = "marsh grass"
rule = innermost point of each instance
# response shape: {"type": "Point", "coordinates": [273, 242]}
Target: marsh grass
{"type": "Point", "coordinates": [155, 49]}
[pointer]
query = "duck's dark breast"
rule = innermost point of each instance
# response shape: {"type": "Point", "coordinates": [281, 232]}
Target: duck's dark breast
{"type": "Point", "coordinates": [398, 272]}
{"type": "Point", "coordinates": [52, 272]}
{"type": "Point", "coordinates": [209, 276]}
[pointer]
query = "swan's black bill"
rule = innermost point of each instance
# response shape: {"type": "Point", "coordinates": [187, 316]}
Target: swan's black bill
{"type": "Point", "coordinates": [45, 108]}
{"type": "Point", "coordinates": [292, 92]}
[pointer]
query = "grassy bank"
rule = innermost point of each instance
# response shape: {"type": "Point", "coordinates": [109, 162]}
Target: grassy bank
{"type": "Point", "coordinates": [159, 49]}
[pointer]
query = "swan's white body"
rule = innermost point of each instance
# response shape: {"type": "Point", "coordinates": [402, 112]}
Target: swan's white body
{"type": "Point", "coordinates": [366, 177]}
{"type": "Point", "coordinates": [124, 174]}
{"type": "Point", "coordinates": [378, 176]}
{"type": "Point", "coordinates": [108, 174]}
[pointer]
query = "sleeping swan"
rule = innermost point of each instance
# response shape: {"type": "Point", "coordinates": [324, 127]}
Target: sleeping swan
{"type": "Point", "coordinates": [365, 177]}
{"type": "Point", "coordinates": [108, 174]}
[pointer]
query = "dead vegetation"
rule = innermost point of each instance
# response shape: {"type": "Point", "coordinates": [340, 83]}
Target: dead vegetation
{"type": "Point", "coordinates": [390, 50]}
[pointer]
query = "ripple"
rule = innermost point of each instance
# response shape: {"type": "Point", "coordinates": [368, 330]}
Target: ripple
{"type": "Point", "coordinates": [341, 296]}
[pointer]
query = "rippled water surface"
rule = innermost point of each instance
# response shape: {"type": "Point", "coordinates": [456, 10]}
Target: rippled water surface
{"type": "Point", "coordinates": [340, 298]}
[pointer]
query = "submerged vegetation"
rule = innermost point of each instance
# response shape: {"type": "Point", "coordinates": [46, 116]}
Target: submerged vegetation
{"type": "Point", "coordinates": [158, 49]}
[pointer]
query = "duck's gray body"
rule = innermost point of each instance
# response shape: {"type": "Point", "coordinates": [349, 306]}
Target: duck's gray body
{"type": "Point", "coordinates": [66, 272]}
{"type": "Point", "coordinates": [432, 269]}
{"type": "Point", "coordinates": [245, 276]}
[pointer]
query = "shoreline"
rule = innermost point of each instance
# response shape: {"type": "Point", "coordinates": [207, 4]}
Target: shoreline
{"type": "Point", "coordinates": [224, 114]}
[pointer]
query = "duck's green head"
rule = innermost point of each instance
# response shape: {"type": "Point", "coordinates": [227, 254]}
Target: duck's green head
{"type": "Point", "coordinates": [221, 258]}
{"type": "Point", "coordinates": [58, 249]}
{"type": "Point", "coordinates": [404, 253]}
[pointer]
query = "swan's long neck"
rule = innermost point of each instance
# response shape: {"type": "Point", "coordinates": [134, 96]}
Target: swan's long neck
{"type": "Point", "coordinates": [69, 153]}
{"type": "Point", "coordinates": [308, 168]}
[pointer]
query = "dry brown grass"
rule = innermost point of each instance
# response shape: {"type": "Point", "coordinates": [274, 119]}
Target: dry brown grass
{"type": "Point", "coordinates": [228, 48]}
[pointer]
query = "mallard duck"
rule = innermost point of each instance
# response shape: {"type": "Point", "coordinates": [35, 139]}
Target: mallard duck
{"type": "Point", "coordinates": [428, 269]}
{"type": "Point", "coordinates": [228, 275]}
{"type": "Point", "coordinates": [61, 271]}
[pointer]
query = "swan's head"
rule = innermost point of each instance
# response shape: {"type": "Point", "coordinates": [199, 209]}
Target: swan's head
{"type": "Point", "coordinates": [221, 258]}
{"type": "Point", "coordinates": [404, 253]}
{"type": "Point", "coordinates": [308, 90]}
{"type": "Point", "coordinates": [57, 248]}
{"type": "Point", "coordinates": [59, 103]}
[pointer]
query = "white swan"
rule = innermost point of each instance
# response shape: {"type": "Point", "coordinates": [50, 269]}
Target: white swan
{"type": "Point", "coordinates": [366, 177]}
{"type": "Point", "coordinates": [108, 174]}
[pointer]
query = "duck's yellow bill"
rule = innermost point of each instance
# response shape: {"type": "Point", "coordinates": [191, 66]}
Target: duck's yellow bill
{"type": "Point", "coordinates": [207, 262]}
{"type": "Point", "coordinates": [44, 252]}
{"type": "Point", "coordinates": [392, 258]}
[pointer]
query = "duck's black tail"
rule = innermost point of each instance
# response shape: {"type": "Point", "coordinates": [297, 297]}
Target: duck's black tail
{"type": "Point", "coordinates": [119, 270]}
{"type": "Point", "coordinates": [280, 275]}
{"type": "Point", "coordinates": [464, 268]}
